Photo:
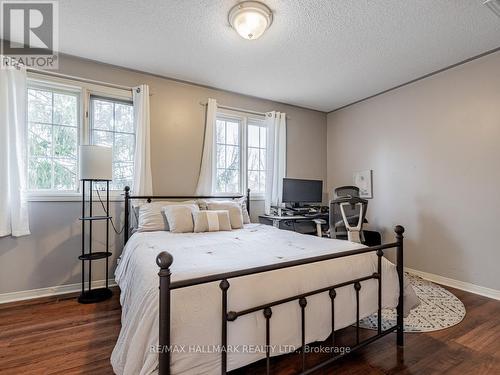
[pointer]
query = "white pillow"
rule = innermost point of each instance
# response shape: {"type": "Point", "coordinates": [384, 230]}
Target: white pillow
{"type": "Point", "coordinates": [152, 217]}
{"type": "Point", "coordinates": [244, 209]}
{"type": "Point", "coordinates": [234, 208]}
{"type": "Point", "coordinates": [180, 217]}
{"type": "Point", "coordinates": [211, 221]}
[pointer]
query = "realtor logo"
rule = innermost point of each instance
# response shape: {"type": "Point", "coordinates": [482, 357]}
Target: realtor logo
{"type": "Point", "coordinates": [30, 33]}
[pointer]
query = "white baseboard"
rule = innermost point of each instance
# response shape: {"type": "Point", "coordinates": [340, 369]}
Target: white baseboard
{"type": "Point", "coordinates": [50, 291]}
{"type": "Point", "coordinates": [462, 285]}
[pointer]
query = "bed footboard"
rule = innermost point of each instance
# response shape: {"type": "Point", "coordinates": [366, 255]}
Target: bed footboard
{"type": "Point", "coordinates": [165, 260]}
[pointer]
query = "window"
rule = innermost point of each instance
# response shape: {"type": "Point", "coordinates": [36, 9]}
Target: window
{"type": "Point", "coordinates": [56, 126]}
{"type": "Point", "coordinates": [228, 155]}
{"type": "Point", "coordinates": [240, 146]}
{"type": "Point", "coordinates": [257, 156]}
{"type": "Point", "coordinates": [53, 123]}
{"type": "Point", "coordinates": [112, 125]}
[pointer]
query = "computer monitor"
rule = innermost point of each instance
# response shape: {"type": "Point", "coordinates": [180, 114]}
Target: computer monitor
{"type": "Point", "coordinates": [296, 191]}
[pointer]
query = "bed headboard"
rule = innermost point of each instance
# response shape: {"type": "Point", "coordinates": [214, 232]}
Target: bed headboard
{"type": "Point", "coordinates": [129, 198]}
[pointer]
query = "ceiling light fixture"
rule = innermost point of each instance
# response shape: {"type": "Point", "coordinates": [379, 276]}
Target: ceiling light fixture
{"type": "Point", "coordinates": [250, 19]}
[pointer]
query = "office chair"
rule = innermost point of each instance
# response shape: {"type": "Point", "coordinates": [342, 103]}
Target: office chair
{"type": "Point", "coordinates": [346, 191]}
{"type": "Point", "coordinates": [347, 214]}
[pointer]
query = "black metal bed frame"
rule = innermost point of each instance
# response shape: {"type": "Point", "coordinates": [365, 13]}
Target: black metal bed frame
{"type": "Point", "coordinates": [165, 260]}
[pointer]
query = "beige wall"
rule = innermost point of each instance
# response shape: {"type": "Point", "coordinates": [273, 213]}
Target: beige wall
{"type": "Point", "coordinates": [177, 125]}
{"type": "Point", "coordinates": [49, 256]}
{"type": "Point", "coordinates": [434, 147]}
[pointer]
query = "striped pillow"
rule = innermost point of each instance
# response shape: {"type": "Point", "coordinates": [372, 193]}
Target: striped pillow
{"type": "Point", "coordinates": [211, 221]}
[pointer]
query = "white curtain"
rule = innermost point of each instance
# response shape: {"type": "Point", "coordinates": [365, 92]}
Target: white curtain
{"type": "Point", "coordinates": [13, 206]}
{"type": "Point", "coordinates": [143, 183]}
{"type": "Point", "coordinates": [205, 180]}
{"type": "Point", "coordinates": [276, 158]}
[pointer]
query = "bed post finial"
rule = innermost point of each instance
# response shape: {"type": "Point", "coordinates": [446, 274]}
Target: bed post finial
{"type": "Point", "coordinates": [399, 229]}
{"type": "Point", "coordinates": [164, 260]}
{"type": "Point", "coordinates": [400, 268]}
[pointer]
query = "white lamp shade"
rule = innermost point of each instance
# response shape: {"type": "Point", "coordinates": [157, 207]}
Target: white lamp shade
{"type": "Point", "coordinates": [96, 163]}
{"type": "Point", "coordinates": [250, 19]}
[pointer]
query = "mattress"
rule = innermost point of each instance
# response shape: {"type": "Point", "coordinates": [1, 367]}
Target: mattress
{"type": "Point", "coordinates": [195, 317]}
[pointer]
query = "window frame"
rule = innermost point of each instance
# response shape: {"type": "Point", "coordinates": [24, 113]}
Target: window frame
{"type": "Point", "coordinates": [91, 129]}
{"type": "Point", "coordinates": [243, 118]}
{"type": "Point", "coordinates": [86, 90]}
{"type": "Point", "coordinates": [258, 195]}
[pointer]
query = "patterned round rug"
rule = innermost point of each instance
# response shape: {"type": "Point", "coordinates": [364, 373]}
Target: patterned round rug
{"type": "Point", "coordinates": [438, 309]}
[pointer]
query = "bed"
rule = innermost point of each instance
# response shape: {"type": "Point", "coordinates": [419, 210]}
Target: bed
{"type": "Point", "coordinates": [228, 299]}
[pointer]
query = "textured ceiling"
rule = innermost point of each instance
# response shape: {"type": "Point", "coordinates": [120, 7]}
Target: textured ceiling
{"type": "Point", "coordinates": [320, 54]}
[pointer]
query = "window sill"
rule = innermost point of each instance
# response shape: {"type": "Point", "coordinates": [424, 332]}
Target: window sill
{"type": "Point", "coordinates": [253, 197]}
{"type": "Point", "coordinates": [114, 196]}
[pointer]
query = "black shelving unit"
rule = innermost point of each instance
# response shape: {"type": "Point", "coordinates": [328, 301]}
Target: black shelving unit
{"type": "Point", "coordinates": [90, 295]}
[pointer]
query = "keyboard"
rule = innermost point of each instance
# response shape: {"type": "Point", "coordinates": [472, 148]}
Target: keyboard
{"type": "Point", "coordinates": [313, 215]}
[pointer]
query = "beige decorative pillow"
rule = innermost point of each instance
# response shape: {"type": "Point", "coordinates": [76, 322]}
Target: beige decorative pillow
{"type": "Point", "coordinates": [234, 208]}
{"type": "Point", "coordinates": [180, 217]}
{"type": "Point", "coordinates": [211, 221]}
{"type": "Point", "coordinates": [151, 216]}
{"type": "Point", "coordinates": [203, 203]}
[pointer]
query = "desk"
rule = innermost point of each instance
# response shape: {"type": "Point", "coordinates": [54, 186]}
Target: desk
{"type": "Point", "coordinates": [297, 223]}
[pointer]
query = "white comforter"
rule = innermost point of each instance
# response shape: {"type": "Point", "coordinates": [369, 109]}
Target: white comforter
{"type": "Point", "coordinates": [196, 310]}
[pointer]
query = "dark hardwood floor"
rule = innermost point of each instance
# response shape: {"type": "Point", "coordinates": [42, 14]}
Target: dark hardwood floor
{"type": "Point", "coordinates": [60, 336]}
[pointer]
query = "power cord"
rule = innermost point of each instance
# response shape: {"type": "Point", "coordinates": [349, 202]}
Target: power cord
{"type": "Point", "coordinates": [107, 213]}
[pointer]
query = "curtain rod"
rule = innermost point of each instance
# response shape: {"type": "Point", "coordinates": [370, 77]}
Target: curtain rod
{"type": "Point", "coordinates": [237, 109]}
{"type": "Point", "coordinates": [85, 80]}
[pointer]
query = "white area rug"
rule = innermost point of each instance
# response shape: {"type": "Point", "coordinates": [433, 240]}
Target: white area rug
{"type": "Point", "coordinates": [438, 309]}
